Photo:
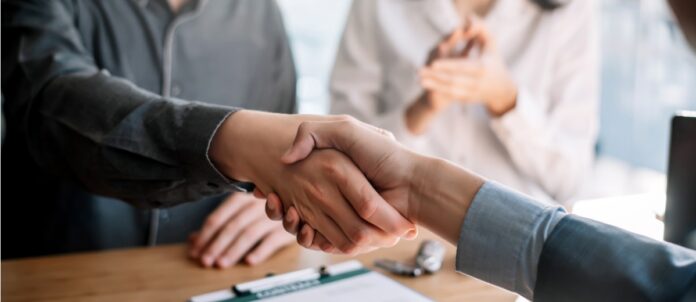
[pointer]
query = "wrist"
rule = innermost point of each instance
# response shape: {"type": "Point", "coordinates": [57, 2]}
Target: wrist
{"type": "Point", "coordinates": [504, 103]}
{"type": "Point", "coordinates": [242, 145]}
{"type": "Point", "coordinates": [419, 114]}
{"type": "Point", "coordinates": [441, 195]}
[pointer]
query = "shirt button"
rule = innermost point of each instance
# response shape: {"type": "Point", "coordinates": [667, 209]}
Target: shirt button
{"type": "Point", "coordinates": [176, 90]}
{"type": "Point", "coordinates": [164, 215]}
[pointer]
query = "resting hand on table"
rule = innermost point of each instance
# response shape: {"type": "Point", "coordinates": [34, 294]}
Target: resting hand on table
{"type": "Point", "coordinates": [237, 231]}
{"type": "Point", "coordinates": [325, 189]}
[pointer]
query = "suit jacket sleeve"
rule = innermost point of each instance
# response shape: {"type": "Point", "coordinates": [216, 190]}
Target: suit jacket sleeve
{"type": "Point", "coordinates": [584, 260]}
{"type": "Point", "coordinates": [102, 132]}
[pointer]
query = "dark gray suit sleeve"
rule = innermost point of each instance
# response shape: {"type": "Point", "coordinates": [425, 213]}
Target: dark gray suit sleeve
{"type": "Point", "coordinates": [584, 260]}
{"type": "Point", "coordinates": [103, 132]}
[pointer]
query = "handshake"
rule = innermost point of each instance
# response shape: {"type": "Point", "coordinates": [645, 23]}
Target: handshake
{"type": "Point", "coordinates": [340, 185]}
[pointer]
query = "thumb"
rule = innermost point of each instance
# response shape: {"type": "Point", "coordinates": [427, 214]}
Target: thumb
{"type": "Point", "coordinates": [302, 146]}
{"type": "Point", "coordinates": [339, 135]}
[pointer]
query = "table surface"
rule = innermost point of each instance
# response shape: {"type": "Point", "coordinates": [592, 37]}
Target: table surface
{"type": "Point", "coordinates": [165, 274]}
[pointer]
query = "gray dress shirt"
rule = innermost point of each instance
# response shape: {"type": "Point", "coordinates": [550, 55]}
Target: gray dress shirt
{"type": "Point", "coordinates": [544, 254]}
{"type": "Point", "coordinates": [121, 99]}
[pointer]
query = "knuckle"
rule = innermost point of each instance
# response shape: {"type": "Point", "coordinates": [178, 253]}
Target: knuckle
{"type": "Point", "coordinates": [212, 221]}
{"type": "Point", "coordinates": [346, 118]}
{"type": "Point", "coordinates": [250, 235]}
{"type": "Point", "coordinates": [316, 192]}
{"type": "Point", "coordinates": [360, 236]}
{"type": "Point", "coordinates": [304, 127]}
{"type": "Point", "coordinates": [367, 208]}
{"type": "Point", "coordinates": [326, 165]}
{"type": "Point", "coordinates": [348, 248]}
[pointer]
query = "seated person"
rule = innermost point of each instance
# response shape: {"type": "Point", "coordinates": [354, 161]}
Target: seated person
{"type": "Point", "coordinates": [520, 107]}
{"type": "Point", "coordinates": [175, 49]}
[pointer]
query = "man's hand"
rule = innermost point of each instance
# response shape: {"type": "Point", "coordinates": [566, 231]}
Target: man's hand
{"type": "Point", "coordinates": [387, 165]}
{"type": "Point", "coordinates": [237, 230]}
{"type": "Point", "coordinates": [428, 191]}
{"type": "Point", "coordinates": [326, 189]}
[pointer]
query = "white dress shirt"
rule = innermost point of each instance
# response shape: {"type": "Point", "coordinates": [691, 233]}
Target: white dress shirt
{"type": "Point", "coordinates": [543, 147]}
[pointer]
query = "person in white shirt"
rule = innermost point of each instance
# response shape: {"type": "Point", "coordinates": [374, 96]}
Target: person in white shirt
{"type": "Point", "coordinates": [521, 109]}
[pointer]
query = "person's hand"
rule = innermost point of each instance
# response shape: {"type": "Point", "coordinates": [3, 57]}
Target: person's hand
{"type": "Point", "coordinates": [458, 44]}
{"type": "Point", "coordinates": [326, 189]}
{"type": "Point", "coordinates": [484, 79]}
{"type": "Point", "coordinates": [387, 165]}
{"type": "Point", "coordinates": [237, 231]}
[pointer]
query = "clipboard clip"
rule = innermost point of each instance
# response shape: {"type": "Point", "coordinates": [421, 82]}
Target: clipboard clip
{"type": "Point", "coordinates": [302, 276]}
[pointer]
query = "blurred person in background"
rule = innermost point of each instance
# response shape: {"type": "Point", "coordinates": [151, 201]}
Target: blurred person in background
{"type": "Point", "coordinates": [519, 107]}
{"type": "Point", "coordinates": [232, 53]}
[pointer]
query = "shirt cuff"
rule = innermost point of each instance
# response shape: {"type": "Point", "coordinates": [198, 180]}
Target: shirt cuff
{"type": "Point", "coordinates": [522, 119]}
{"type": "Point", "coordinates": [199, 127]}
{"type": "Point", "coordinates": [502, 237]}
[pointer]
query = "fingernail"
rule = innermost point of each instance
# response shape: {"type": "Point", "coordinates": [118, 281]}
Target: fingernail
{"type": "Point", "coordinates": [224, 262]}
{"type": "Point", "coordinates": [251, 259]}
{"type": "Point", "coordinates": [207, 261]}
{"type": "Point", "coordinates": [271, 206]}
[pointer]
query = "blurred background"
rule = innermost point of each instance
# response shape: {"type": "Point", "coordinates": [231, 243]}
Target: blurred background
{"type": "Point", "coordinates": [648, 73]}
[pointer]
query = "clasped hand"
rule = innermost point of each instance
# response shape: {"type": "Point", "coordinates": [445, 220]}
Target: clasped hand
{"type": "Point", "coordinates": [383, 161]}
{"type": "Point", "coordinates": [325, 190]}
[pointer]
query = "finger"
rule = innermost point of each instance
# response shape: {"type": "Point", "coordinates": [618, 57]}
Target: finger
{"type": "Point", "coordinates": [460, 87]}
{"type": "Point", "coordinates": [306, 236]}
{"type": "Point", "coordinates": [273, 242]}
{"type": "Point", "coordinates": [274, 207]}
{"type": "Point", "coordinates": [228, 233]}
{"type": "Point", "coordinates": [371, 207]}
{"type": "Point", "coordinates": [258, 194]}
{"type": "Point", "coordinates": [323, 244]}
{"type": "Point", "coordinates": [450, 90]}
{"type": "Point", "coordinates": [192, 238]}
{"type": "Point", "coordinates": [456, 67]}
{"type": "Point", "coordinates": [333, 233]}
{"type": "Point", "coordinates": [216, 220]}
{"type": "Point", "coordinates": [247, 239]}
{"type": "Point", "coordinates": [476, 30]}
{"type": "Point", "coordinates": [412, 234]}
{"type": "Point", "coordinates": [302, 146]}
{"type": "Point", "coordinates": [443, 77]}
{"type": "Point", "coordinates": [291, 221]}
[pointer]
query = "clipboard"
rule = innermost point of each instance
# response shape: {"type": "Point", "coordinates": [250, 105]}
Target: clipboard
{"type": "Point", "coordinates": [346, 281]}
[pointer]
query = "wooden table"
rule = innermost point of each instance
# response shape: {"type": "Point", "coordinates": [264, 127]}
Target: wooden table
{"type": "Point", "coordinates": [164, 274]}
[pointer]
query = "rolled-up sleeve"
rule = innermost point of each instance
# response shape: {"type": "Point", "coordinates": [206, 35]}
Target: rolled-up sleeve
{"type": "Point", "coordinates": [104, 132]}
{"type": "Point", "coordinates": [502, 237]}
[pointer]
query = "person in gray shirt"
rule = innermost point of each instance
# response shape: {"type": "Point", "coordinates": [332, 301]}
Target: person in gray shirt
{"type": "Point", "coordinates": [136, 100]}
{"type": "Point", "coordinates": [101, 107]}
{"type": "Point", "coordinates": [232, 53]}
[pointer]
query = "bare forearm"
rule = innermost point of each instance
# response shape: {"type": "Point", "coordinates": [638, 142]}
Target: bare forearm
{"type": "Point", "coordinates": [248, 136]}
{"type": "Point", "coordinates": [441, 196]}
{"type": "Point", "coordinates": [419, 115]}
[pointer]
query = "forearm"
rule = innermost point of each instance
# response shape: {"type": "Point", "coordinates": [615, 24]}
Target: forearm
{"type": "Point", "coordinates": [249, 145]}
{"type": "Point", "coordinates": [118, 140]}
{"type": "Point", "coordinates": [419, 115]}
{"type": "Point", "coordinates": [499, 233]}
{"type": "Point", "coordinates": [442, 194]}
{"type": "Point", "coordinates": [249, 137]}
